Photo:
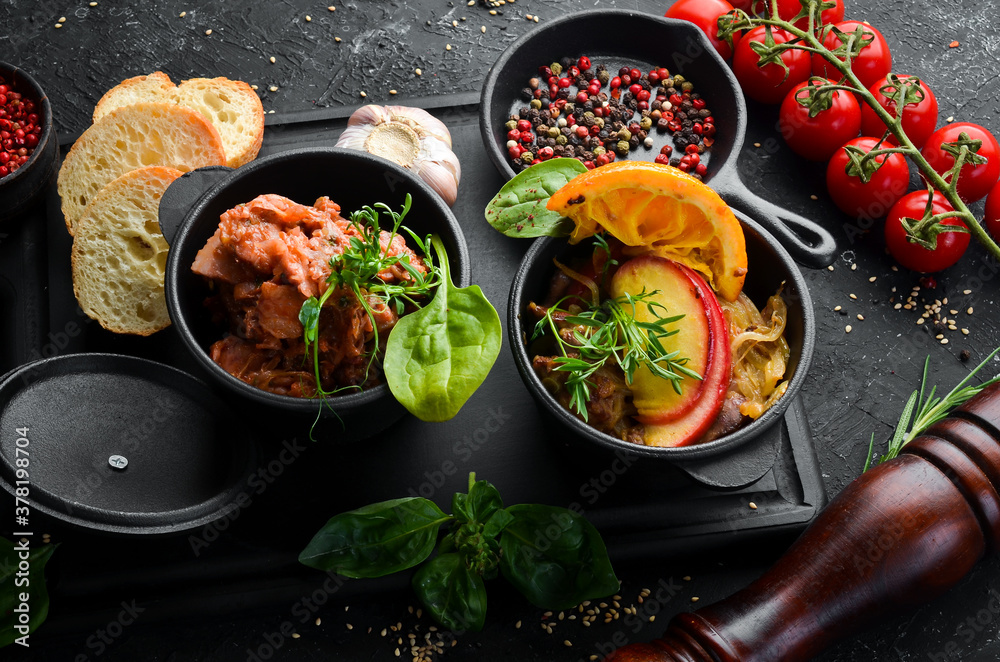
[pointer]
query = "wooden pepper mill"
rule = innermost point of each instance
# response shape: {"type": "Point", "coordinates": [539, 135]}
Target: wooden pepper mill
{"type": "Point", "coordinates": [900, 535]}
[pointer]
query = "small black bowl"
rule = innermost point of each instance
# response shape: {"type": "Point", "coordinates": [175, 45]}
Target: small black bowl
{"type": "Point", "coordinates": [769, 266]}
{"type": "Point", "coordinates": [20, 189]}
{"type": "Point", "coordinates": [350, 178]}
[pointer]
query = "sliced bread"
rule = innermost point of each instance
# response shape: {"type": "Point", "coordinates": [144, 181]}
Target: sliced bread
{"type": "Point", "coordinates": [231, 105]}
{"type": "Point", "coordinates": [128, 138]}
{"type": "Point", "coordinates": [119, 255]}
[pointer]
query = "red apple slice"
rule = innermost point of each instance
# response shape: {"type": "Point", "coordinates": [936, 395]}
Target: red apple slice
{"type": "Point", "coordinates": [695, 423]}
{"type": "Point", "coordinates": [674, 289]}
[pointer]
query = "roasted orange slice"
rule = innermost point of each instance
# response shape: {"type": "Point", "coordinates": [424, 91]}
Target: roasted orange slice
{"type": "Point", "coordinates": [660, 210]}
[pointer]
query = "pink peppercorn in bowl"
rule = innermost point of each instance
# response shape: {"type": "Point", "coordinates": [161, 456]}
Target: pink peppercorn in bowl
{"type": "Point", "coordinates": [28, 144]}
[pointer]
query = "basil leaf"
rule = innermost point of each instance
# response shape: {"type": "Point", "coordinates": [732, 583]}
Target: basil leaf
{"type": "Point", "coordinates": [497, 523]}
{"type": "Point", "coordinates": [518, 210]}
{"type": "Point", "coordinates": [30, 584]}
{"type": "Point", "coordinates": [555, 557]}
{"type": "Point", "coordinates": [376, 540]}
{"type": "Point", "coordinates": [454, 595]}
{"type": "Point", "coordinates": [437, 357]}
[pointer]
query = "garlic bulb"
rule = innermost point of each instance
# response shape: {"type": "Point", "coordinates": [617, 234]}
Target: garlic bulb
{"type": "Point", "coordinates": [411, 137]}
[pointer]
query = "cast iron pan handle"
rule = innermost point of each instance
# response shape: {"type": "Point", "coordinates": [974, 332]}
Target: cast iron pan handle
{"type": "Point", "coordinates": [809, 243]}
{"type": "Point", "coordinates": [183, 193]}
{"type": "Point", "coordinates": [739, 467]}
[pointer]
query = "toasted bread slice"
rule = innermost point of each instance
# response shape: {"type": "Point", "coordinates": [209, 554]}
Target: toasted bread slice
{"type": "Point", "coordinates": [128, 138]}
{"type": "Point", "coordinates": [119, 254]}
{"type": "Point", "coordinates": [231, 105]}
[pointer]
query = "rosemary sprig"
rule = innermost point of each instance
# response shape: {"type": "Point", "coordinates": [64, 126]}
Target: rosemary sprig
{"type": "Point", "coordinates": [357, 270]}
{"type": "Point", "coordinates": [930, 410]}
{"type": "Point", "coordinates": [610, 332]}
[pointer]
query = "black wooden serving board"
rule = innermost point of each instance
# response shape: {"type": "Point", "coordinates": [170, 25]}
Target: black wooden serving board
{"type": "Point", "coordinates": [249, 558]}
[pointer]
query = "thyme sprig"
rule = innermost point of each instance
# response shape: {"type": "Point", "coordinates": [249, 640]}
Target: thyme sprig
{"type": "Point", "coordinates": [929, 410]}
{"type": "Point", "coordinates": [922, 231]}
{"type": "Point", "coordinates": [609, 333]}
{"type": "Point", "coordinates": [357, 270]}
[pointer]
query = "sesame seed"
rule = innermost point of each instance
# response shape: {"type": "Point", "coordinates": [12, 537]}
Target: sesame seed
{"type": "Point", "coordinates": [861, 317]}
{"type": "Point", "coordinates": [272, 59]}
{"type": "Point", "coordinates": [847, 328]}
{"type": "Point", "coordinates": [854, 267]}
{"type": "Point", "coordinates": [756, 144]}
{"type": "Point", "coordinates": [830, 268]}
{"type": "Point", "coordinates": [447, 47]}
{"type": "Point", "coordinates": [854, 296]}
{"type": "Point", "coordinates": [517, 625]}
{"type": "Point", "coordinates": [93, 4]}
{"type": "Point", "coordinates": [686, 578]}
{"type": "Point", "coordinates": [363, 94]}
{"type": "Point", "coordinates": [837, 308]}
{"type": "Point", "coordinates": [471, 3]}
{"type": "Point", "coordinates": [493, 12]}
{"type": "Point", "coordinates": [939, 336]}
{"type": "Point", "coordinates": [418, 72]}
{"type": "Point", "coordinates": [319, 621]}
{"type": "Point", "coordinates": [58, 25]}
{"type": "Point", "coordinates": [62, 19]}
{"type": "Point", "coordinates": [528, 16]}
{"type": "Point", "coordinates": [567, 643]}
{"type": "Point", "coordinates": [953, 312]}
{"type": "Point", "coordinates": [332, 8]}
{"type": "Point", "coordinates": [753, 506]}
{"type": "Point", "coordinates": [944, 341]}
{"type": "Point", "coordinates": [814, 197]}
{"type": "Point", "coordinates": [308, 18]}
{"type": "Point", "coordinates": [397, 652]}
{"type": "Point", "coordinates": [337, 39]}
{"type": "Point", "coordinates": [965, 332]}
{"type": "Point", "coordinates": [384, 632]}
{"type": "Point", "coordinates": [273, 88]}
{"type": "Point", "coordinates": [535, 19]}
{"type": "Point", "coordinates": [454, 24]}
{"type": "Point", "coordinates": [966, 291]}
{"type": "Point", "coordinates": [483, 29]}
{"type": "Point", "coordinates": [296, 635]}
{"type": "Point", "coordinates": [392, 91]}
{"type": "Point", "coordinates": [349, 626]}
{"type": "Point", "coordinates": [653, 617]}
{"type": "Point", "coordinates": [895, 268]}
{"type": "Point", "coordinates": [695, 599]}
{"type": "Point", "coordinates": [270, 112]}
{"type": "Point", "coordinates": [897, 306]}
{"type": "Point", "coordinates": [950, 118]}
{"type": "Point", "coordinates": [253, 87]}
{"type": "Point", "coordinates": [208, 32]}
{"type": "Point", "coordinates": [920, 321]}
{"type": "Point", "coordinates": [968, 310]}
{"type": "Point", "coordinates": [872, 279]}
{"type": "Point", "coordinates": [183, 14]}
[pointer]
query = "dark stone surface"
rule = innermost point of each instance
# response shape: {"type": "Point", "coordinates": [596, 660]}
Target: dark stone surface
{"type": "Point", "coordinates": [858, 382]}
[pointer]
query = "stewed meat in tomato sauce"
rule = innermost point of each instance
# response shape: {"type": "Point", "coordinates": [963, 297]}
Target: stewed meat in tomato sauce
{"type": "Point", "coordinates": [264, 260]}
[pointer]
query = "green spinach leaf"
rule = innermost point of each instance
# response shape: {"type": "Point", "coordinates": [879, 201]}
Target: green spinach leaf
{"type": "Point", "coordinates": [437, 357]}
{"type": "Point", "coordinates": [14, 586]}
{"type": "Point", "coordinates": [518, 210]}
{"type": "Point", "coordinates": [555, 557]}
{"type": "Point", "coordinates": [453, 594]}
{"type": "Point", "coordinates": [376, 540]}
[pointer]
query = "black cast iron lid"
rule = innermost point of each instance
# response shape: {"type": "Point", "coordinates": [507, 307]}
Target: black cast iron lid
{"type": "Point", "coordinates": [120, 444]}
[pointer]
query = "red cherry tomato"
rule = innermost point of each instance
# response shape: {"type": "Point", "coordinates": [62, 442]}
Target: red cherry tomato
{"type": "Point", "coordinates": [817, 138]}
{"type": "Point", "coordinates": [705, 14]}
{"type": "Point", "coordinates": [745, 5]}
{"type": "Point", "coordinates": [768, 84]}
{"type": "Point", "coordinates": [974, 181]}
{"type": "Point", "coordinates": [992, 217]}
{"type": "Point", "coordinates": [875, 198]}
{"type": "Point", "coordinates": [870, 66]}
{"type": "Point", "coordinates": [787, 9]}
{"type": "Point", "coordinates": [950, 245]}
{"type": "Point", "coordinates": [919, 119]}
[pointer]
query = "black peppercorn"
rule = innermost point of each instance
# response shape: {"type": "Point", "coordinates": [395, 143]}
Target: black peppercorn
{"type": "Point", "coordinates": [527, 94]}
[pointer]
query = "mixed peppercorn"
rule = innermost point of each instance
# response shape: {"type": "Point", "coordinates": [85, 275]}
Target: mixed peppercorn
{"type": "Point", "coordinates": [571, 114]}
{"type": "Point", "coordinates": [20, 128]}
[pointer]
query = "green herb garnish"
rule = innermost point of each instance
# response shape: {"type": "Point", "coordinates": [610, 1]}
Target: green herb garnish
{"type": "Point", "coordinates": [609, 332]}
{"type": "Point", "coordinates": [553, 556]}
{"type": "Point", "coordinates": [435, 357]}
{"type": "Point", "coordinates": [928, 410]}
{"type": "Point", "coordinates": [518, 210]}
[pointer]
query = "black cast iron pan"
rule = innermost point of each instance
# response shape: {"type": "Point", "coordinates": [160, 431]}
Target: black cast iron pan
{"type": "Point", "coordinates": [633, 38]}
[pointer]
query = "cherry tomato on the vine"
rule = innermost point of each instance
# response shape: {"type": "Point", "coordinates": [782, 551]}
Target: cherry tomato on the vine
{"type": "Point", "coordinates": [950, 245]}
{"type": "Point", "coordinates": [875, 198]}
{"type": "Point", "coordinates": [992, 217]}
{"type": "Point", "coordinates": [705, 14]}
{"type": "Point", "coordinates": [919, 119]}
{"type": "Point", "coordinates": [787, 9]}
{"type": "Point", "coordinates": [817, 138]}
{"type": "Point", "coordinates": [768, 84]}
{"type": "Point", "coordinates": [870, 66]}
{"type": "Point", "coordinates": [974, 181]}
